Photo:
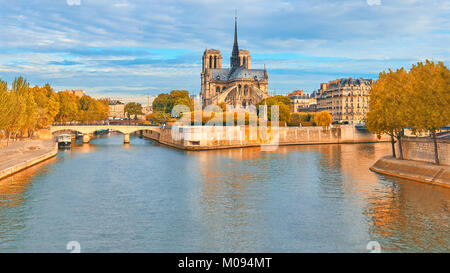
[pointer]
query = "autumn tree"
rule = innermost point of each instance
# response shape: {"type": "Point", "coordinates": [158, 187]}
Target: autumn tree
{"type": "Point", "coordinates": [4, 105]}
{"type": "Point", "coordinates": [68, 110]}
{"type": "Point", "coordinates": [181, 97]}
{"type": "Point", "coordinates": [47, 105]}
{"type": "Point", "coordinates": [323, 118]}
{"type": "Point", "coordinates": [21, 89]}
{"type": "Point", "coordinates": [389, 106]}
{"type": "Point", "coordinates": [430, 99]}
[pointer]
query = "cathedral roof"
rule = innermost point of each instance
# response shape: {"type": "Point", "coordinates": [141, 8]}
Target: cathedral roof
{"type": "Point", "coordinates": [219, 74]}
{"type": "Point", "coordinates": [243, 73]}
{"type": "Point", "coordinates": [239, 73]}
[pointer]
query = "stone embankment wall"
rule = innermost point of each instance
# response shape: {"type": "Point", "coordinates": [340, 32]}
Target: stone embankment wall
{"type": "Point", "coordinates": [210, 137]}
{"type": "Point", "coordinates": [22, 161]}
{"type": "Point", "coordinates": [422, 149]}
{"type": "Point", "coordinates": [414, 170]}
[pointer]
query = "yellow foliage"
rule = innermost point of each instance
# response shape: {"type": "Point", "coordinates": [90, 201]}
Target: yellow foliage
{"type": "Point", "coordinates": [323, 119]}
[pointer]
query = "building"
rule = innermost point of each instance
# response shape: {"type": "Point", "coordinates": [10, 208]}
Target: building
{"type": "Point", "coordinates": [238, 85]}
{"type": "Point", "coordinates": [78, 93]}
{"type": "Point", "coordinates": [116, 109]}
{"type": "Point", "coordinates": [301, 102]}
{"type": "Point", "coordinates": [347, 100]}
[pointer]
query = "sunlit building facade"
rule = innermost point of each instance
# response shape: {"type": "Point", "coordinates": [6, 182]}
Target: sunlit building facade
{"type": "Point", "coordinates": [347, 100]}
{"type": "Point", "coordinates": [301, 102]}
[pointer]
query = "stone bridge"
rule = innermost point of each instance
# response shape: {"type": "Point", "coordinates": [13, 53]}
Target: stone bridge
{"type": "Point", "coordinates": [86, 130]}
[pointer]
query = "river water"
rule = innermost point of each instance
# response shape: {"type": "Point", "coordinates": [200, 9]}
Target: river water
{"type": "Point", "coordinates": [144, 197]}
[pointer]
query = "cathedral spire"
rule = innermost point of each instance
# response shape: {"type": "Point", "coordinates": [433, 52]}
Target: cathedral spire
{"type": "Point", "coordinates": [235, 63]}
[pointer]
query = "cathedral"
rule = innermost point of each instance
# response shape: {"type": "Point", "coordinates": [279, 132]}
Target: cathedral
{"type": "Point", "coordinates": [238, 85]}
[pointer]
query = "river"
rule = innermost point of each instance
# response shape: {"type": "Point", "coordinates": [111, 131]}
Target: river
{"type": "Point", "coordinates": [144, 197]}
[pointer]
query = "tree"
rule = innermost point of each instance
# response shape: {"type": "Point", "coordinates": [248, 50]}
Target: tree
{"type": "Point", "coordinates": [323, 119]}
{"type": "Point", "coordinates": [4, 105]}
{"type": "Point", "coordinates": [47, 105]}
{"type": "Point", "coordinates": [284, 107]}
{"type": "Point", "coordinates": [158, 117]}
{"type": "Point", "coordinates": [162, 103]}
{"type": "Point", "coordinates": [15, 118]}
{"type": "Point", "coordinates": [181, 97]}
{"type": "Point", "coordinates": [389, 106]}
{"type": "Point", "coordinates": [165, 102]}
{"type": "Point", "coordinates": [301, 118]}
{"type": "Point", "coordinates": [68, 110]}
{"type": "Point", "coordinates": [430, 99]}
{"type": "Point", "coordinates": [133, 108]}
{"type": "Point", "coordinates": [22, 90]}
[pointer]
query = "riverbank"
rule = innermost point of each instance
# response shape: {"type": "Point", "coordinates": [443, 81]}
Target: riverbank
{"type": "Point", "coordinates": [23, 154]}
{"type": "Point", "coordinates": [199, 138]}
{"type": "Point", "coordinates": [413, 170]}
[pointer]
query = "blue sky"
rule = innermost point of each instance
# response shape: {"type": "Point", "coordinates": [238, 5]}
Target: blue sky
{"type": "Point", "coordinates": [122, 48]}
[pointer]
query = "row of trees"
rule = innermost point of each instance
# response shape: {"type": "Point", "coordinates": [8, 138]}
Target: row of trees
{"type": "Point", "coordinates": [25, 109]}
{"type": "Point", "coordinates": [164, 103]}
{"type": "Point", "coordinates": [85, 109]}
{"type": "Point", "coordinates": [418, 99]}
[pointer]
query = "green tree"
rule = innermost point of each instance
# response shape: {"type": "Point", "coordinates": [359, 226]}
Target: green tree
{"type": "Point", "coordinates": [165, 102]}
{"type": "Point", "coordinates": [158, 117]}
{"type": "Point", "coordinates": [284, 107]}
{"type": "Point", "coordinates": [162, 103]}
{"type": "Point", "coordinates": [133, 108]}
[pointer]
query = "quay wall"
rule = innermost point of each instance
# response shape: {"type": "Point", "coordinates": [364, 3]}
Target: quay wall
{"type": "Point", "coordinates": [418, 171]}
{"type": "Point", "coordinates": [210, 137]}
{"type": "Point", "coordinates": [422, 149]}
{"type": "Point", "coordinates": [29, 161]}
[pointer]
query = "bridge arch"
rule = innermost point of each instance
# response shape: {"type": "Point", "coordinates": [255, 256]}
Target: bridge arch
{"type": "Point", "coordinates": [86, 130]}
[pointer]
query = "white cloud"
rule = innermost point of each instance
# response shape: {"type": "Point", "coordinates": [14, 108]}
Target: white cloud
{"type": "Point", "coordinates": [73, 2]}
{"type": "Point", "coordinates": [321, 32]}
{"type": "Point", "coordinates": [373, 2]}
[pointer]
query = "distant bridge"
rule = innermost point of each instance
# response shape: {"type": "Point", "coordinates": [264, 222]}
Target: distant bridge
{"type": "Point", "coordinates": [86, 130]}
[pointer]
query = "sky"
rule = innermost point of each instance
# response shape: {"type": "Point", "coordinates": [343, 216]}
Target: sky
{"type": "Point", "coordinates": [127, 49]}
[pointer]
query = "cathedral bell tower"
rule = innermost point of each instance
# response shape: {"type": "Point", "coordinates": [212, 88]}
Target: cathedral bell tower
{"type": "Point", "coordinates": [212, 59]}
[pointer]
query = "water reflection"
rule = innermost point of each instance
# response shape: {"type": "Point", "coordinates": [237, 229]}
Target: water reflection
{"type": "Point", "coordinates": [402, 215]}
{"type": "Point", "coordinates": [146, 197]}
{"type": "Point", "coordinates": [13, 188]}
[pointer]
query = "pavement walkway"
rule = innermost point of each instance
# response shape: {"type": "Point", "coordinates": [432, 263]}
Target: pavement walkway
{"type": "Point", "coordinates": [27, 151]}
